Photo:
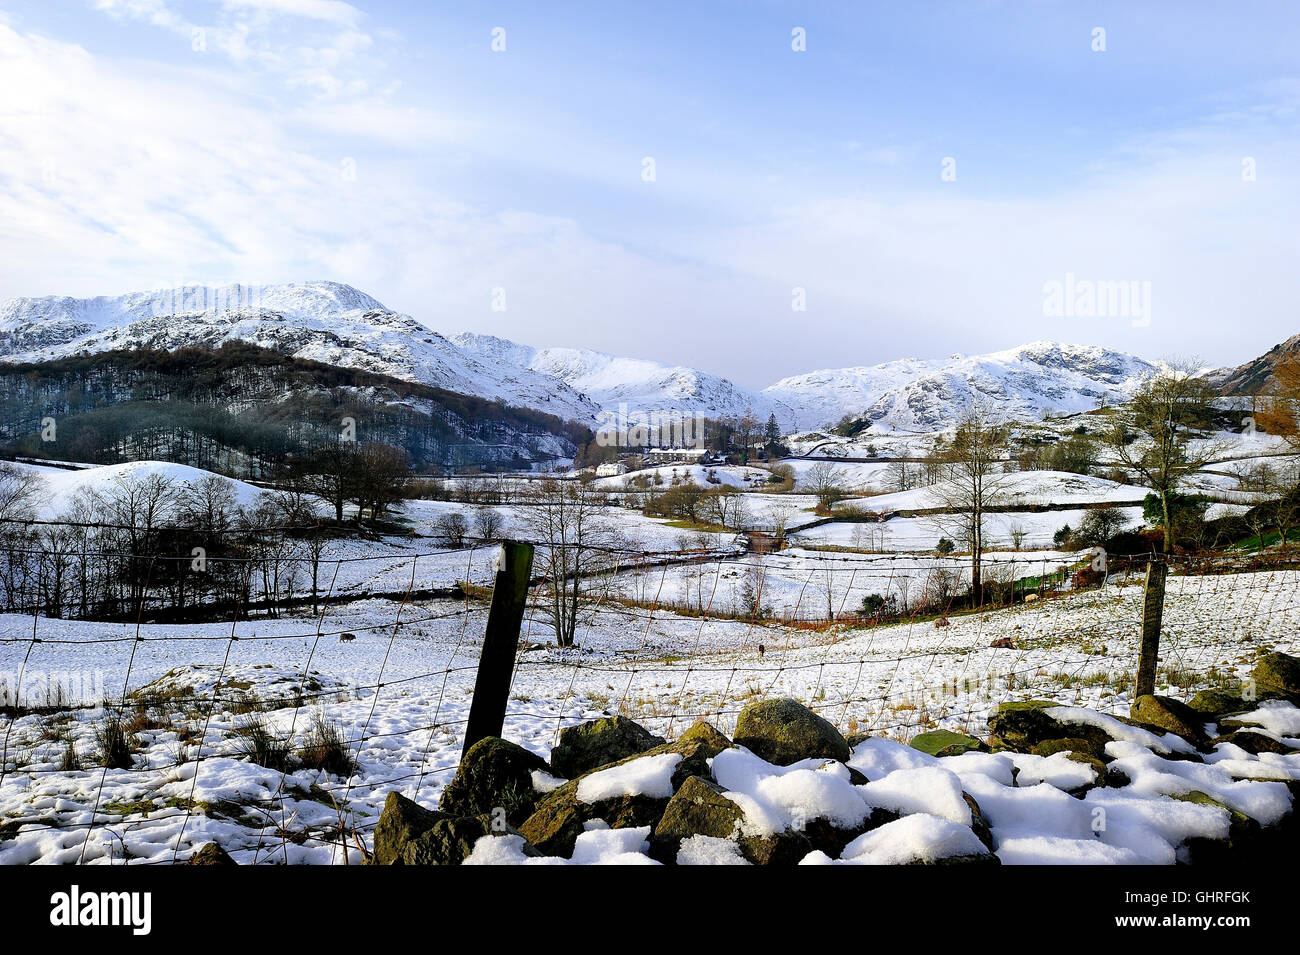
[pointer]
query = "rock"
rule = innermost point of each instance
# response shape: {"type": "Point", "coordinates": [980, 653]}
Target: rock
{"type": "Point", "coordinates": [409, 834]}
{"type": "Point", "coordinates": [494, 774]}
{"type": "Point", "coordinates": [855, 739]}
{"type": "Point", "coordinates": [1071, 744]}
{"type": "Point", "coordinates": [980, 858]}
{"type": "Point", "coordinates": [1212, 704]}
{"type": "Point", "coordinates": [211, 854]}
{"type": "Point", "coordinates": [1096, 765]}
{"type": "Point", "coordinates": [1277, 673]}
{"type": "Point", "coordinates": [978, 823]}
{"type": "Point", "coordinates": [829, 838]}
{"type": "Point", "coordinates": [1003, 643]}
{"type": "Point", "coordinates": [1243, 835]}
{"type": "Point", "coordinates": [786, 848]}
{"type": "Point", "coordinates": [697, 808]}
{"type": "Point", "coordinates": [783, 731]}
{"type": "Point", "coordinates": [559, 818]}
{"type": "Point", "coordinates": [1022, 726]}
{"type": "Point", "coordinates": [946, 743]}
{"type": "Point", "coordinates": [708, 734]}
{"type": "Point", "coordinates": [1116, 778]}
{"type": "Point", "coordinates": [450, 840]}
{"type": "Point", "coordinates": [1171, 715]}
{"type": "Point", "coordinates": [401, 821]}
{"type": "Point", "coordinates": [599, 743]}
{"type": "Point", "coordinates": [1255, 742]}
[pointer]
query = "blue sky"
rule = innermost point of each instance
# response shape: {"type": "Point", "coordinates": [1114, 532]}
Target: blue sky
{"type": "Point", "coordinates": [149, 142]}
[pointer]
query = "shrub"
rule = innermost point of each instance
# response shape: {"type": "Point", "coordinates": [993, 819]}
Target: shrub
{"type": "Point", "coordinates": [117, 745]}
{"type": "Point", "coordinates": [325, 748]}
{"type": "Point", "coordinates": [263, 747]}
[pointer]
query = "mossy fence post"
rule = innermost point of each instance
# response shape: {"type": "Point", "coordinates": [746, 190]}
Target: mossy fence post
{"type": "Point", "coordinates": [1153, 609]}
{"type": "Point", "coordinates": [487, 708]}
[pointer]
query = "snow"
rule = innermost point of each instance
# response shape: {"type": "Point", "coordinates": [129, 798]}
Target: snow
{"type": "Point", "coordinates": [1058, 770]}
{"type": "Point", "coordinates": [62, 487]}
{"type": "Point", "coordinates": [926, 789]}
{"type": "Point", "coordinates": [340, 325]}
{"type": "Point", "coordinates": [319, 321]}
{"type": "Point", "coordinates": [776, 798]}
{"type": "Point", "coordinates": [1168, 743]}
{"type": "Point", "coordinates": [400, 695]}
{"type": "Point", "coordinates": [1264, 801]}
{"type": "Point", "coordinates": [927, 394]}
{"type": "Point", "coordinates": [920, 837]}
{"type": "Point", "coordinates": [613, 847]}
{"type": "Point", "coordinates": [709, 850]}
{"type": "Point", "coordinates": [648, 776]}
{"type": "Point", "coordinates": [1277, 716]}
{"type": "Point", "coordinates": [875, 758]}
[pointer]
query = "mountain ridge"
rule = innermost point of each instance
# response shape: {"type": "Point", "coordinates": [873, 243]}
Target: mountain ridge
{"type": "Point", "coordinates": [337, 324]}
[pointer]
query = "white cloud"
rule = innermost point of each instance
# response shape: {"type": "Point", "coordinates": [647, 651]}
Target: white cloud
{"type": "Point", "coordinates": [330, 11]}
{"type": "Point", "coordinates": [117, 176]}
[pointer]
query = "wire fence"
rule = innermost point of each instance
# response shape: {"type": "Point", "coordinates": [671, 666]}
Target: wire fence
{"type": "Point", "coordinates": [281, 728]}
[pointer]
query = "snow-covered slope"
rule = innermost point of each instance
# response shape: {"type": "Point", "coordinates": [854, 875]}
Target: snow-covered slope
{"type": "Point", "coordinates": [925, 395]}
{"type": "Point", "coordinates": [321, 321]}
{"type": "Point", "coordinates": [337, 324]}
{"type": "Point", "coordinates": [643, 386]}
{"type": "Point", "coordinates": [62, 487]}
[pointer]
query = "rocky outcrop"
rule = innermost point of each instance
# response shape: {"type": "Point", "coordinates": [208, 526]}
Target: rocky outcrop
{"type": "Point", "coordinates": [784, 732]}
{"type": "Point", "coordinates": [581, 749]}
{"type": "Point", "coordinates": [409, 834]}
{"type": "Point", "coordinates": [1172, 715]}
{"type": "Point", "coordinates": [946, 743]}
{"type": "Point", "coordinates": [494, 776]}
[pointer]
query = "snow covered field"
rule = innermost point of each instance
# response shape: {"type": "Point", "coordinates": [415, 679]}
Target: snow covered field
{"type": "Point", "coordinates": [663, 670]}
{"type": "Point", "coordinates": [654, 643]}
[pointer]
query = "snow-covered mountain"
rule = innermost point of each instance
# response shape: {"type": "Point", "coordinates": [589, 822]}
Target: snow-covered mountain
{"type": "Point", "coordinates": [339, 325]}
{"type": "Point", "coordinates": [321, 321]}
{"type": "Point", "coordinates": [643, 387]}
{"type": "Point", "coordinates": [925, 395]}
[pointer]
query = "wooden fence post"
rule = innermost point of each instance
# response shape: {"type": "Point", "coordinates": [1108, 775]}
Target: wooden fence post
{"type": "Point", "coordinates": [487, 708]}
{"type": "Point", "coordinates": [1153, 607]}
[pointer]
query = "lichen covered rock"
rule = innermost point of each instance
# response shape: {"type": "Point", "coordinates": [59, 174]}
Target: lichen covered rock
{"type": "Point", "coordinates": [783, 731]}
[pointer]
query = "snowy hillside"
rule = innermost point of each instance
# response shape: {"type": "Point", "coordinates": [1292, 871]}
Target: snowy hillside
{"type": "Point", "coordinates": [923, 395]}
{"type": "Point", "coordinates": [62, 487]}
{"type": "Point", "coordinates": [339, 325]}
{"type": "Point", "coordinates": [644, 386]}
{"type": "Point", "coordinates": [320, 321]}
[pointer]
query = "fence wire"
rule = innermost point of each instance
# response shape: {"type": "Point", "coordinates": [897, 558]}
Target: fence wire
{"type": "Point", "coordinates": [282, 727]}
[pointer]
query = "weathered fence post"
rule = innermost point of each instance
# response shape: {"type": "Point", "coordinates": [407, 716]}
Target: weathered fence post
{"type": "Point", "coordinates": [1153, 607]}
{"type": "Point", "coordinates": [487, 708]}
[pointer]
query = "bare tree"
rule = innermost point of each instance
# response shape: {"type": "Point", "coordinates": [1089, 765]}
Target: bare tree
{"type": "Point", "coordinates": [973, 484]}
{"type": "Point", "coordinates": [575, 535]}
{"type": "Point", "coordinates": [377, 478]}
{"type": "Point", "coordinates": [19, 488]}
{"type": "Point", "coordinates": [1018, 533]}
{"type": "Point", "coordinates": [489, 524]}
{"type": "Point", "coordinates": [826, 482]}
{"type": "Point", "coordinates": [1154, 431]}
{"type": "Point", "coordinates": [451, 527]}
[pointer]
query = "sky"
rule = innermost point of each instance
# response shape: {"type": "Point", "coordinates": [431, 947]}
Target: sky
{"type": "Point", "coordinates": [755, 188]}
